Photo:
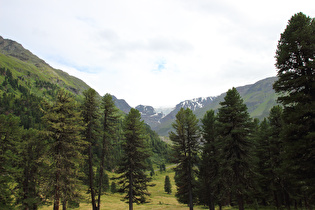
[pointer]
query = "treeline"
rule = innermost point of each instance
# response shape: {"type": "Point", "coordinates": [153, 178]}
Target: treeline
{"type": "Point", "coordinates": [233, 160]}
{"type": "Point", "coordinates": [51, 149]}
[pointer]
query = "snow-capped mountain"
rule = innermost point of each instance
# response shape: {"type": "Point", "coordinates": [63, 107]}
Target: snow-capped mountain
{"type": "Point", "coordinates": [195, 103]}
{"type": "Point", "coordinates": [149, 115]}
{"type": "Point", "coordinates": [154, 119]}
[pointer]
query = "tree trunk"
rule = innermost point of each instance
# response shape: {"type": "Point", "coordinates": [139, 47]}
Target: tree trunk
{"type": "Point", "coordinates": [91, 178]}
{"type": "Point", "coordinates": [57, 189]}
{"type": "Point", "coordinates": [211, 203]}
{"type": "Point", "coordinates": [100, 182]}
{"type": "Point", "coordinates": [240, 202]}
{"type": "Point", "coordinates": [191, 207]}
{"type": "Point", "coordinates": [130, 192]}
{"type": "Point", "coordinates": [64, 205]}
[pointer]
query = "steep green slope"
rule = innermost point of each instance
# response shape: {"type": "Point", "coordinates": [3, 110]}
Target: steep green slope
{"type": "Point", "coordinates": [29, 69]}
{"type": "Point", "coordinates": [259, 99]}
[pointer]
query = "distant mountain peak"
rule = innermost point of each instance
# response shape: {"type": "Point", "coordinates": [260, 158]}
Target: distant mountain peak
{"type": "Point", "coordinates": [149, 115]}
{"type": "Point", "coordinates": [195, 103]}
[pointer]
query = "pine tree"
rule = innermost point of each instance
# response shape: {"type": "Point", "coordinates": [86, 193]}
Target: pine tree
{"type": "Point", "coordinates": [209, 165]}
{"type": "Point", "coordinates": [185, 147]}
{"type": "Point", "coordinates": [110, 118]}
{"type": "Point", "coordinates": [10, 137]}
{"type": "Point", "coordinates": [167, 185]}
{"type": "Point", "coordinates": [296, 87]}
{"type": "Point", "coordinates": [279, 184]}
{"type": "Point", "coordinates": [65, 147]}
{"type": "Point", "coordinates": [263, 168]}
{"type": "Point", "coordinates": [91, 133]}
{"type": "Point", "coordinates": [31, 164]}
{"type": "Point", "coordinates": [234, 127]}
{"type": "Point", "coordinates": [133, 179]}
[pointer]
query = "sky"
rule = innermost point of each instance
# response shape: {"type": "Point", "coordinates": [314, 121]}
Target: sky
{"type": "Point", "coordinates": [154, 52]}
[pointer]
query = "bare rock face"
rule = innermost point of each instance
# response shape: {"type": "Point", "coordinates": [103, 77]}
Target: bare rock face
{"type": "Point", "coordinates": [149, 115]}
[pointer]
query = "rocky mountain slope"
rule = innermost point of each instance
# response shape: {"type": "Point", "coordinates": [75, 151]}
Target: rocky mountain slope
{"type": "Point", "coordinates": [258, 97]}
{"type": "Point", "coordinates": [150, 116]}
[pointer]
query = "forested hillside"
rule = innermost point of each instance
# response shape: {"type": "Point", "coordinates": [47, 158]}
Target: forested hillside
{"type": "Point", "coordinates": [44, 109]}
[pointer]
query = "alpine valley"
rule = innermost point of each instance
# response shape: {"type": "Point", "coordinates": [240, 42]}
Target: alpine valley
{"type": "Point", "coordinates": [32, 73]}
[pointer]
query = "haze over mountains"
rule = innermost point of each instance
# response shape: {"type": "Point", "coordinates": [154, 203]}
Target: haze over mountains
{"type": "Point", "coordinates": [259, 97]}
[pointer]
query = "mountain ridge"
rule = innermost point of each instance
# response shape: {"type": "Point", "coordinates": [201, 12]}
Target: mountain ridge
{"type": "Point", "coordinates": [259, 97]}
{"type": "Point", "coordinates": [27, 65]}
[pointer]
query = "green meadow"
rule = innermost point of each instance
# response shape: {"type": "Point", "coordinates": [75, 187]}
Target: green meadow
{"type": "Point", "coordinates": [158, 199]}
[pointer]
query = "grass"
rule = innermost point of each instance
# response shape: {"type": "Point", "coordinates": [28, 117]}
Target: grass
{"type": "Point", "coordinates": [158, 199]}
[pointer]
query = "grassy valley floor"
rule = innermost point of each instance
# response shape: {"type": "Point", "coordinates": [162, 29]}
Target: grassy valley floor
{"type": "Point", "coordinates": [158, 199]}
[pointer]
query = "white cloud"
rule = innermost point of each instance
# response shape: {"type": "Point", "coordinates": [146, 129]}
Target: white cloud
{"type": "Point", "coordinates": [154, 52]}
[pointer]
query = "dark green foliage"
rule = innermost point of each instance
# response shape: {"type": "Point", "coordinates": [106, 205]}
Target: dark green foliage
{"type": "Point", "coordinates": [10, 134]}
{"type": "Point", "coordinates": [270, 150]}
{"type": "Point", "coordinates": [162, 167]}
{"type": "Point", "coordinates": [167, 185]}
{"type": "Point", "coordinates": [263, 168]}
{"type": "Point", "coordinates": [31, 164]}
{"type": "Point", "coordinates": [90, 114]}
{"type": "Point", "coordinates": [185, 150]}
{"type": "Point", "coordinates": [296, 86]}
{"type": "Point", "coordinates": [110, 120]}
{"type": "Point", "coordinates": [209, 166]}
{"type": "Point", "coordinates": [64, 149]}
{"type": "Point", "coordinates": [113, 188]}
{"type": "Point", "coordinates": [26, 107]}
{"type": "Point", "coordinates": [160, 149]}
{"type": "Point", "coordinates": [133, 179]}
{"type": "Point", "coordinates": [234, 127]}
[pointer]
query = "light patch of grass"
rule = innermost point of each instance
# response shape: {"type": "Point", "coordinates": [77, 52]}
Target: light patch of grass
{"type": "Point", "coordinates": [158, 199]}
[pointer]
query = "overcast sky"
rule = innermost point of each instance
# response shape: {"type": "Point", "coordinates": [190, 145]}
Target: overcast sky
{"type": "Point", "coordinates": [154, 52]}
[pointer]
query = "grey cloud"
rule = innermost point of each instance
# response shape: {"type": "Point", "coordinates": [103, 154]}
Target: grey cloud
{"type": "Point", "coordinates": [110, 40]}
{"type": "Point", "coordinates": [173, 45]}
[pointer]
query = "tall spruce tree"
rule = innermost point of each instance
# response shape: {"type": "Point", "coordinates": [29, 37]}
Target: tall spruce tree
{"type": "Point", "coordinates": [133, 179]}
{"type": "Point", "coordinates": [295, 57]}
{"type": "Point", "coordinates": [110, 118]}
{"type": "Point", "coordinates": [65, 147]}
{"type": "Point", "coordinates": [234, 128]}
{"type": "Point", "coordinates": [90, 115]}
{"type": "Point", "coordinates": [185, 147]}
{"type": "Point", "coordinates": [209, 165]}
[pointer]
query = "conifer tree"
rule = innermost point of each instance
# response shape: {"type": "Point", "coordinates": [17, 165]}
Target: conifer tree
{"type": "Point", "coordinates": [185, 147]}
{"type": "Point", "coordinates": [31, 164]}
{"type": "Point", "coordinates": [110, 117]}
{"type": "Point", "coordinates": [234, 127]}
{"type": "Point", "coordinates": [10, 137]}
{"type": "Point", "coordinates": [295, 61]}
{"type": "Point", "coordinates": [65, 146]}
{"type": "Point", "coordinates": [133, 179]}
{"type": "Point", "coordinates": [90, 115]}
{"type": "Point", "coordinates": [209, 165]}
{"type": "Point", "coordinates": [167, 185]}
{"type": "Point", "coordinates": [263, 168]}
